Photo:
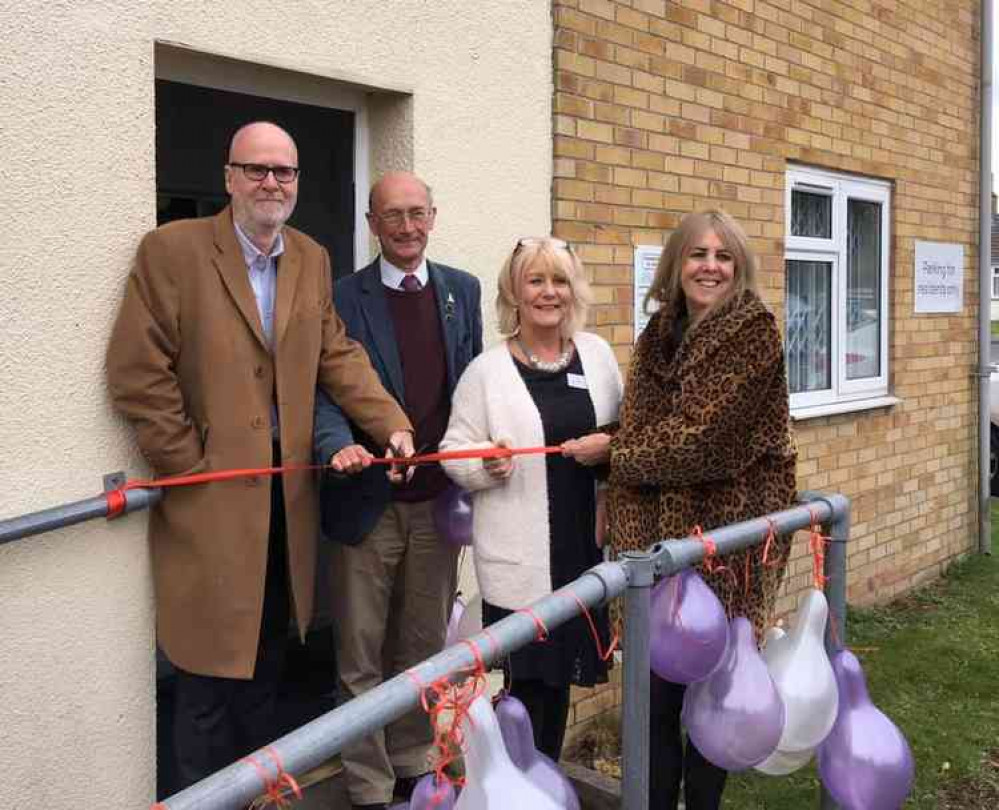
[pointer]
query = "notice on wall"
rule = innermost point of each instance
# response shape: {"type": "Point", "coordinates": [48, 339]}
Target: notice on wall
{"type": "Point", "coordinates": [646, 259]}
{"type": "Point", "coordinates": [939, 278]}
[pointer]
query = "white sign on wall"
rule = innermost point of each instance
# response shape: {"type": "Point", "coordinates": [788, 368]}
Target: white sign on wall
{"type": "Point", "coordinates": [939, 279]}
{"type": "Point", "coordinates": [646, 259]}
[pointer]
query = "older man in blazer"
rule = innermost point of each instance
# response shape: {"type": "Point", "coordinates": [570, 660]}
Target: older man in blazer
{"type": "Point", "coordinates": [393, 578]}
{"type": "Point", "coordinates": [226, 325]}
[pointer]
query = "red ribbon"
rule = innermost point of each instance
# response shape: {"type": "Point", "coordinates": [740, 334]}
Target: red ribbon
{"type": "Point", "coordinates": [277, 789]}
{"type": "Point", "coordinates": [116, 497]}
{"type": "Point", "coordinates": [615, 639]}
{"type": "Point", "coordinates": [116, 503]}
{"type": "Point", "coordinates": [447, 703]}
{"type": "Point", "coordinates": [817, 545]}
{"type": "Point", "coordinates": [711, 564]}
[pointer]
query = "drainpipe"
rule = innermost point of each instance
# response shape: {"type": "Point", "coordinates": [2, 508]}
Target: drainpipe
{"type": "Point", "coordinates": [984, 280]}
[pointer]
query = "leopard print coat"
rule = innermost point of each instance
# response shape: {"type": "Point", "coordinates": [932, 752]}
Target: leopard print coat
{"type": "Point", "coordinates": [705, 440]}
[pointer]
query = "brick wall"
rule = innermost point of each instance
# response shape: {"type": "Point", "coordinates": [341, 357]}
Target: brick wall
{"type": "Point", "coordinates": [587, 705]}
{"type": "Point", "coordinates": [665, 107]}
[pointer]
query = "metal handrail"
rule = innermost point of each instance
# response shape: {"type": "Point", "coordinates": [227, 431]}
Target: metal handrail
{"type": "Point", "coordinates": [305, 748]}
{"type": "Point", "coordinates": [70, 514]}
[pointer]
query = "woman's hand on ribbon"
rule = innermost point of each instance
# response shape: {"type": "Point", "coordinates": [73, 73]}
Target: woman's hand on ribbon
{"type": "Point", "coordinates": [502, 466]}
{"type": "Point", "coordinates": [588, 450]}
{"type": "Point", "coordinates": [400, 445]}
{"type": "Point", "coordinates": [350, 460]}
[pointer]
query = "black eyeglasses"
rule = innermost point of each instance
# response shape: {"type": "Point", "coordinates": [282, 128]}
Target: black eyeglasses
{"type": "Point", "coordinates": [257, 172]}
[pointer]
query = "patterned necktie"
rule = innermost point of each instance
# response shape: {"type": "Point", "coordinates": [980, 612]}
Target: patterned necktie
{"type": "Point", "coordinates": [410, 283]}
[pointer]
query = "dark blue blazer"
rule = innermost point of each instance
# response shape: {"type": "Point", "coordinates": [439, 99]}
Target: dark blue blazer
{"type": "Point", "coordinates": [350, 506]}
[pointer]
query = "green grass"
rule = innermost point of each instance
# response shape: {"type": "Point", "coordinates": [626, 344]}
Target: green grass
{"type": "Point", "coordinates": [931, 661]}
{"type": "Point", "coordinates": [995, 328]}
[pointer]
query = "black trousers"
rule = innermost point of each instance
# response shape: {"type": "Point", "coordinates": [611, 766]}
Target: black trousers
{"type": "Point", "coordinates": [703, 783]}
{"type": "Point", "coordinates": [219, 720]}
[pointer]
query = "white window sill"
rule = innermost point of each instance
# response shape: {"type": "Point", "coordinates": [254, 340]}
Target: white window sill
{"type": "Point", "coordinates": [851, 406]}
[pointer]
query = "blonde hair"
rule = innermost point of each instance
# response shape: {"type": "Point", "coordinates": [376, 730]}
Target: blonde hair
{"type": "Point", "coordinates": [666, 288]}
{"type": "Point", "coordinates": [543, 254]}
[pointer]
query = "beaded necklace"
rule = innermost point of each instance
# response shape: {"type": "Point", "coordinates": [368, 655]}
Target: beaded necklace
{"type": "Point", "coordinates": [550, 366]}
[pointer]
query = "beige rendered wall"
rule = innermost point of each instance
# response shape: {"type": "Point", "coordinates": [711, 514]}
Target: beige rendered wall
{"type": "Point", "coordinates": [76, 88]}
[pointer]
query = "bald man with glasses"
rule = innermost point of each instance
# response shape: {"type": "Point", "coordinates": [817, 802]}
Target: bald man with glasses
{"type": "Point", "coordinates": [226, 325]}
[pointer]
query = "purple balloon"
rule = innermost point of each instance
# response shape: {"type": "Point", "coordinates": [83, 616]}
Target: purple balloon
{"type": "Point", "coordinates": [428, 795]}
{"type": "Point", "coordinates": [688, 629]}
{"type": "Point", "coordinates": [865, 761]}
{"type": "Point", "coordinates": [736, 716]}
{"type": "Point", "coordinates": [518, 739]}
{"type": "Point", "coordinates": [452, 513]}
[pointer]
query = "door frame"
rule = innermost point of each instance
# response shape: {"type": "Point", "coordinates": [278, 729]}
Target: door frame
{"type": "Point", "coordinates": [221, 73]}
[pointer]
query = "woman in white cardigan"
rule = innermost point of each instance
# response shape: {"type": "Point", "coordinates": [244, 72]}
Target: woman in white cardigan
{"type": "Point", "coordinates": [538, 520]}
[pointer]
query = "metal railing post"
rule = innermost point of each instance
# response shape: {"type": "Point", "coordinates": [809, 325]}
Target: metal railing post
{"type": "Point", "coordinates": [635, 708]}
{"type": "Point", "coordinates": [837, 529]}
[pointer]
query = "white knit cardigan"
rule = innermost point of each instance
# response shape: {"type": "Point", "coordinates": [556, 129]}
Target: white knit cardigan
{"type": "Point", "coordinates": [510, 531]}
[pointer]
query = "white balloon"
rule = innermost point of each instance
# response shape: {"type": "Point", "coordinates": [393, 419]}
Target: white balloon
{"type": "Point", "coordinates": [781, 763]}
{"type": "Point", "coordinates": [492, 781]}
{"type": "Point", "coordinates": [773, 635]}
{"type": "Point", "coordinates": [804, 677]}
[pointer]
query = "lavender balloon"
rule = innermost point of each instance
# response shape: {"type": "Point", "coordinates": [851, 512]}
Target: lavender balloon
{"type": "Point", "coordinates": [428, 795]}
{"type": "Point", "coordinates": [735, 717]}
{"type": "Point", "coordinates": [452, 513]}
{"type": "Point", "coordinates": [865, 762]}
{"type": "Point", "coordinates": [518, 737]}
{"type": "Point", "coordinates": [688, 629]}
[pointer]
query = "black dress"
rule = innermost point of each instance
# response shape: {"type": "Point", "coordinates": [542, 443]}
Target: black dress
{"type": "Point", "coordinates": [569, 656]}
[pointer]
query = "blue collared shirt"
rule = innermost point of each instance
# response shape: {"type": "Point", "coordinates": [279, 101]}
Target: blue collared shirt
{"type": "Point", "coordinates": [262, 271]}
{"type": "Point", "coordinates": [392, 276]}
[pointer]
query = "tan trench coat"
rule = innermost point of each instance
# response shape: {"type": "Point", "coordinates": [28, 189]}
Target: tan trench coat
{"type": "Point", "coordinates": [189, 366]}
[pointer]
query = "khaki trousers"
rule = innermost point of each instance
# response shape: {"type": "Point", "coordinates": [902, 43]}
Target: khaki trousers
{"type": "Point", "coordinates": [392, 596]}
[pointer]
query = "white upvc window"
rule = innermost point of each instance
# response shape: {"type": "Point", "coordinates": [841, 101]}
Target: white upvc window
{"type": "Point", "coordinates": [995, 283]}
{"type": "Point", "coordinates": [836, 289]}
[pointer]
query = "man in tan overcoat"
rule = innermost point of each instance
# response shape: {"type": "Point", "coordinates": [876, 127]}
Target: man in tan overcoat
{"type": "Point", "coordinates": [226, 328]}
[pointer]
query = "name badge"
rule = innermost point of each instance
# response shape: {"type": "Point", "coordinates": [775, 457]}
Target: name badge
{"type": "Point", "coordinates": [576, 381]}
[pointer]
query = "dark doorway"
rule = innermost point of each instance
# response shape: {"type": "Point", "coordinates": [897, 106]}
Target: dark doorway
{"type": "Point", "coordinates": [193, 128]}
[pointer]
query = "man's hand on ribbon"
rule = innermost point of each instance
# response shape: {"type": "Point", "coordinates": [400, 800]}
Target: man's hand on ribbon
{"type": "Point", "coordinates": [351, 460]}
{"type": "Point", "coordinates": [400, 445]}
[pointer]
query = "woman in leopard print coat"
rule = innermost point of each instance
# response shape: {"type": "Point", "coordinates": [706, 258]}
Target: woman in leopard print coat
{"type": "Point", "coordinates": [704, 440]}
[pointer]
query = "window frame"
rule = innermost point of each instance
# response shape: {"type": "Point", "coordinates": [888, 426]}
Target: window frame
{"type": "Point", "coordinates": [842, 188]}
{"type": "Point", "coordinates": [995, 282]}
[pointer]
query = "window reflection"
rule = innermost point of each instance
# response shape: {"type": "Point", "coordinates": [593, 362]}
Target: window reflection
{"type": "Point", "coordinates": [811, 215]}
{"type": "Point", "coordinates": [809, 304]}
{"type": "Point", "coordinates": [863, 289]}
